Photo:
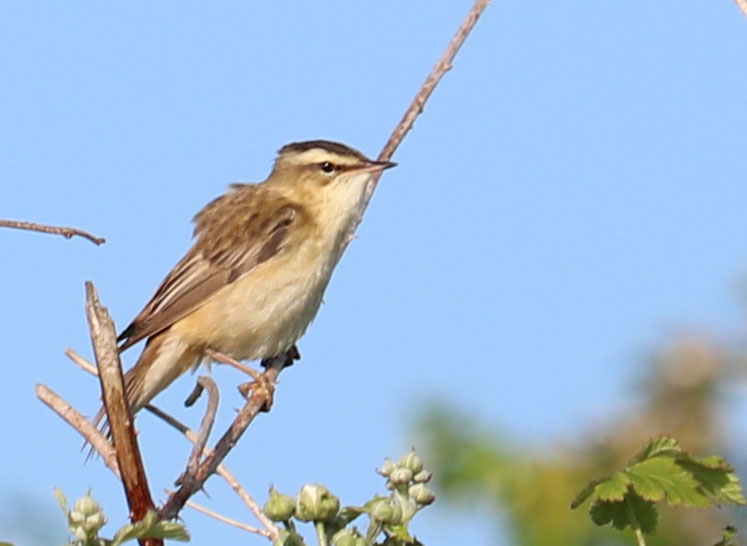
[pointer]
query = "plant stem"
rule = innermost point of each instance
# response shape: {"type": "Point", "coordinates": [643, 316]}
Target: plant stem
{"type": "Point", "coordinates": [634, 523]}
{"type": "Point", "coordinates": [321, 533]}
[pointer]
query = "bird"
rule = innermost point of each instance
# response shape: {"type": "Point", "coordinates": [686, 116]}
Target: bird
{"type": "Point", "coordinates": [253, 280]}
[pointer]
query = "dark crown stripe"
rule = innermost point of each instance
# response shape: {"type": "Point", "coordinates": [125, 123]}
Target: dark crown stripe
{"type": "Point", "coordinates": [333, 147]}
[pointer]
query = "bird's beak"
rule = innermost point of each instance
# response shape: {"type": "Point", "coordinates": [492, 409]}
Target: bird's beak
{"type": "Point", "coordinates": [376, 166]}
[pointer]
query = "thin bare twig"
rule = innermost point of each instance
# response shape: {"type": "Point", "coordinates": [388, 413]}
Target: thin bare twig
{"type": "Point", "coordinates": [742, 4]}
{"type": "Point", "coordinates": [224, 519]}
{"type": "Point", "coordinates": [443, 65]}
{"type": "Point", "coordinates": [130, 462]}
{"type": "Point", "coordinates": [254, 405]}
{"type": "Point", "coordinates": [67, 232]}
{"type": "Point", "coordinates": [91, 434]}
{"type": "Point", "coordinates": [81, 362]}
{"type": "Point", "coordinates": [207, 423]}
{"type": "Point", "coordinates": [271, 529]}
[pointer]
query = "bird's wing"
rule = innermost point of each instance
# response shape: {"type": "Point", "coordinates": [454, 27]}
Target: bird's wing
{"type": "Point", "coordinates": [235, 233]}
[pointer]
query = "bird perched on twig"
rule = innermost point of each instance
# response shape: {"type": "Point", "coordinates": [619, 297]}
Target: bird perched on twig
{"type": "Point", "coordinates": [255, 276]}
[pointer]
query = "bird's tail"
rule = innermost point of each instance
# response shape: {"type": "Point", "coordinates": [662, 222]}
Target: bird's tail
{"type": "Point", "coordinates": [162, 361]}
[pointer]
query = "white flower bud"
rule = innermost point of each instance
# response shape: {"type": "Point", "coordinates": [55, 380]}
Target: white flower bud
{"type": "Point", "coordinates": [316, 503]}
{"type": "Point", "coordinates": [412, 462]}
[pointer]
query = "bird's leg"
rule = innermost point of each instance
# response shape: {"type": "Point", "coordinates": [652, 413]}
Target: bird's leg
{"type": "Point", "coordinates": [260, 382]}
{"type": "Point", "coordinates": [291, 355]}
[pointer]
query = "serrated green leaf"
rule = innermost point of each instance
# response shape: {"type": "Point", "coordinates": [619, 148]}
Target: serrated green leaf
{"type": "Point", "coordinates": [61, 499]}
{"type": "Point", "coordinates": [151, 527]}
{"type": "Point", "coordinates": [584, 494]}
{"type": "Point", "coordinates": [644, 512]}
{"type": "Point", "coordinates": [614, 488]}
{"type": "Point", "coordinates": [721, 486]}
{"type": "Point", "coordinates": [662, 445]}
{"type": "Point", "coordinates": [660, 477]}
{"type": "Point", "coordinates": [619, 513]}
{"type": "Point", "coordinates": [715, 462]}
{"type": "Point", "coordinates": [604, 512]}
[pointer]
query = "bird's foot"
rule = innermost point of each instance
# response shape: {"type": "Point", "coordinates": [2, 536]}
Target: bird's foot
{"type": "Point", "coordinates": [262, 386]}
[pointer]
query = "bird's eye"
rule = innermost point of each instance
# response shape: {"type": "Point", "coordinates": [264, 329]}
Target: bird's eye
{"type": "Point", "coordinates": [327, 167]}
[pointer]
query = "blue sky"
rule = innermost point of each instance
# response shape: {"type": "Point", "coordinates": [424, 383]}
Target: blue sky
{"type": "Point", "coordinates": [574, 192]}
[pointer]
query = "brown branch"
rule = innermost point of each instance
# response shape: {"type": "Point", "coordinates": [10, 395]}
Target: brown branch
{"type": "Point", "coordinates": [443, 65]}
{"type": "Point", "coordinates": [131, 468]}
{"type": "Point", "coordinates": [207, 423]}
{"type": "Point", "coordinates": [255, 403]}
{"type": "Point", "coordinates": [86, 429]}
{"type": "Point", "coordinates": [272, 530]}
{"type": "Point", "coordinates": [742, 4]}
{"type": "Point", "coordinates": [81, 362]}
{"type": "Point", "coordinates": [67, 232]}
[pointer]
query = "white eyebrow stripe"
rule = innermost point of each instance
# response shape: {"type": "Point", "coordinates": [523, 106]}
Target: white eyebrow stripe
{"type": "Point", "coordinates": [319, 155]}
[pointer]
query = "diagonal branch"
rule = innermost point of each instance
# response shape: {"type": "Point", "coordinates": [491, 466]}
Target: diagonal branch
{"type": "Point", "coordinates": [131, 468]}
{"type": "Point", "coordinates": [443, 65]}
{"type": "Point", "coordinates": [254, 405]}
{"type": "Point", "coordinates": [73, 417]}
{"type": "Point", "coordinates": [271, 529]}
{"type": "Point", "coordinates": [207, 423]}
{"type": "Point", "coordinates": [67, 232]}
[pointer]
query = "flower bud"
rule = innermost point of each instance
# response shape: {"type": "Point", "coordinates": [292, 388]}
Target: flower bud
{"type": "Point", "coordinates": [279, 507]}
{"type": "Point", "coordinates": [401, 476]}
{"type": "Point", "coordinates": [421, 494]}
{"type": "Point", "coordinates": [412, 462]}
{"type": "Point", "coordinates": [87, 505]}
{"type": "Point", "coordinates": [86, 518]}
{"type": "Point", "coordinates": [387, 468]}
{"type": "Point", "coordinates": [316, 503]}
{"type": "Point", "coordinates": [422, 477]}
{"type": "Point", "coordinates": [288, 538]}
{"type": "Point", "coordinates": [386, 511]}
{"type": "Point", "coordinates": [348, 537]}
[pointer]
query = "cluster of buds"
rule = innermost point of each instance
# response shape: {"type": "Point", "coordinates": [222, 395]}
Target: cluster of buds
{"type": "Point", "coordinates": [313, 503]}
{"type": "Point", "coordinates": [391, 514]}
{"type": "Point", "coordinates": [408, 476]}
{"type": "Point", "coordinates": [86, 519]}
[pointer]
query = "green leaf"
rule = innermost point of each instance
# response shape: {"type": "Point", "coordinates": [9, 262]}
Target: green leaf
{"type": "Point", "coordinates": [399, 532]}
{"type": "Point", "coordinates": [151, 527]}
{"type": "Point", "coordinates": [720, 485]}
{"type": "Point", "coordinates": [604, 512]}
{"type": "Point", "coordinates": [614, 488]}
{"type": "Point", "coordinates": [586, 492]}
{"type": "Point", "coordinates": [714, 462]}
{"type": "Point", "coordinates": [619, 513]}
{"type": "Point", "coordinates": [609, 488]}
{"type": "Point", "coordinates": [726, 538]}
{"type": "Point", "coordinates": [663, 445]}
{"type": "Point", "coordinates": [644, 512]}
{"type": "Point", "coordinates": [349, 513]}
{"type": "Point", "coordinates": [660, 477]}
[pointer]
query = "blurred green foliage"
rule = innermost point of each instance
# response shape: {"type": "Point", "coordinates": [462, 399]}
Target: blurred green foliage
{"type": "Point", "coordinates": [531, 488]}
